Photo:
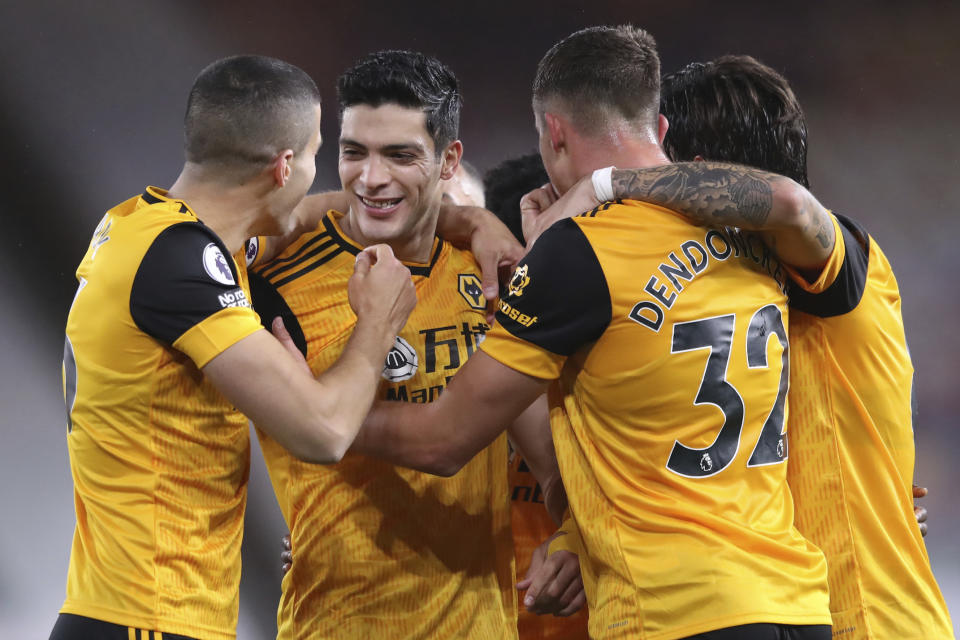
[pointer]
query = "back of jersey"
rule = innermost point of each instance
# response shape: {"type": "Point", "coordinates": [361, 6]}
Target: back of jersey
{"type": "Point", "coordinates": [159, 457]}
{"type": "Point", "coordinates": [671, 353]}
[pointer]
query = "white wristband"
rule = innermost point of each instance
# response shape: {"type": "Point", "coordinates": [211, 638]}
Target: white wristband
{"type": "Point", "coordinates": [603, 184]}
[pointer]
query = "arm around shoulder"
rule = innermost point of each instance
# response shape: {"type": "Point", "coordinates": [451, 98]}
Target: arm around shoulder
{"type": "Point", "coordinates": [795, 225]}
{"type": "Point", "coordinates": [305, 415]}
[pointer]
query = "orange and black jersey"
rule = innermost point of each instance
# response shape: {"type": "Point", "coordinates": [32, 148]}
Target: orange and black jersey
{"type": "Point", "coordinates": [383, 551]}
{"type": "Point", "coordinates": [852, 460]}
{"type": "Point", "coordinates": [159, 458]}
{"type": "Point", "coordinates": [668, 348]}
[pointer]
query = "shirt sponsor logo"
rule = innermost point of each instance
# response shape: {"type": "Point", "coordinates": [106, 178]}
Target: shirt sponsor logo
{"type": "Point", "coordinates": [401, 363]}
{"type": "Point", "coordinates": [515, 314]}
{"type": "Point", "coordinates": [216, 265]}
{"type": "Point", "coordinates": [235, 298]}
{"type": "Point", "coordinates": [519, 281]}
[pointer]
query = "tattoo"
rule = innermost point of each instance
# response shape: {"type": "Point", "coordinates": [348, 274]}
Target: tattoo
{"type": "Point", "coordinates": [711, 193]}
{"type": "Point", "coordinates": [825, 233]}
{"type": "Point", "coordinates": [824, 237]}
{"type": "Point", "coordinates": [817, 223]}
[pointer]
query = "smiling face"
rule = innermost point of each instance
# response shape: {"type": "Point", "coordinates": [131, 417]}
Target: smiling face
{"type": "Point", "coordinates": [390, 170]}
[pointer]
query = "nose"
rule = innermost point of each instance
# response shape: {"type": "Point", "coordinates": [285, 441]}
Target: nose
{"type": "Point", "coordinates": [375, 174]}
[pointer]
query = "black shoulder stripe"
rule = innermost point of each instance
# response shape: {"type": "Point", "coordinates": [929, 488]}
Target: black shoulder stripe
{"type": "Point", "coordinates": [149, 198]}
{"type": "Point", "coordinates": [278, 264]}
{"type": "Point", "coordinates": [268, 302]}
{"type": "Point", "coordinates": [290, 277]}
{"type": "Point", "coordinates": [558, 297]}
{"type": "Point", "coordinates": [846, 291]}
{"type": "Point", "coordinates": [273, 274]}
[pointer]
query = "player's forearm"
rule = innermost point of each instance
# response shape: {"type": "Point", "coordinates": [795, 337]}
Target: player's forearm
{"type": "Point", "coordinates": [711, 193]}
{"type": "Point", "coordinates": [415, 436]}
{"type": "Point", "coordinates": [316, 420]}
{"type": "Point", "coordinates": [482, 399]}
{"type": "Point", "coordinates": [350, 384]}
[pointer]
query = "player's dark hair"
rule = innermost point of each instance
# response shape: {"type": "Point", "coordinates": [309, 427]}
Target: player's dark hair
{"type": "Point", "coordinates": [735, 109]}
{"type": "Point", "coordinates": [506, 183]}
{"type": "Point", "coordinates": [602, 72]}
{"type": "Point", "coordinates": [407, 79]}
{"type": "Point", "coordinates": [244, 110]}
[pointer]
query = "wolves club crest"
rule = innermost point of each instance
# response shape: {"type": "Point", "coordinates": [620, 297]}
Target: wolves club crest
{"type": "Point", "coordinates": [519, 281]}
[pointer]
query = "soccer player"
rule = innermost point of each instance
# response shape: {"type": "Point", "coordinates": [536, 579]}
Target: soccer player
{"type": "Point", "coordinates": [385, 552]}
{"type": "Point", "coordinates": [852, 450]}
{"type": "Point", "coordinates": [504, 186]}
{"type": "Point", "coordinates": [164, 359]}
{"type": "Point", "coordinates": [667, 407]}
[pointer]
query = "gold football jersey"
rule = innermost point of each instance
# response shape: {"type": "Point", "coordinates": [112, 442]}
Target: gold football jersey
{"type": "Point", "coordinates": [851, 466]}
{"type": "Point", "coordinates": [381, 551]}
{"type": "Point", "coordinates": [668, 346]}
{"type": "Point", "coordinates": [159, 458]}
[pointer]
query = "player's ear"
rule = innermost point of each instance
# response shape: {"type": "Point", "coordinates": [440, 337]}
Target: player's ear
{"type": "Point", "coordinates": [450, 159]}
{"type": "Point", "coordinates": [557, 130]}
{"type": "Point", "coordinates": [282, 167]}
{"type": "Point", "coordinates": [662, 126]}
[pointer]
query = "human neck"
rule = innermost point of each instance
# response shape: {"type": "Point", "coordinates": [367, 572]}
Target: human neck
{"type": "Point", "coordinates": [414, 246]}
{"type": "Point", "coordinates": [230, 210]}
{"type": "Point", "coordinates": [620, 150]}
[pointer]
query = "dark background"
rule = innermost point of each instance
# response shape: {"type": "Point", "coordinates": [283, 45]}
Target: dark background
{"type": "Point", "coordinates": [92, 96]}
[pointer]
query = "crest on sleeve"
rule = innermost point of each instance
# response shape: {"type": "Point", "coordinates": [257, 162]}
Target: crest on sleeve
{"type": "Point", "coordinates": [519, 281]}
{"type": "Point", "coordinates": [216, 266]}
{"type": "Point", "coordinates": [253, 248]}
{"type": "Point", "coordinates": [469, 287]}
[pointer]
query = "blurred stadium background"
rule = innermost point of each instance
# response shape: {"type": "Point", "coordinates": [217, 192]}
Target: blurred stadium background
{"type": "Point", "coordinates": [92, 96]}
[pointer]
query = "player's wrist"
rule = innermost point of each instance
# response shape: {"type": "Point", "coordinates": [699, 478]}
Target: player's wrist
{"type": "Point", "coordinates": [602, 180]}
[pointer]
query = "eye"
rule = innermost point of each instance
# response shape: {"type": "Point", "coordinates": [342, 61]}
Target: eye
{"type": "Point", "coordinates": [350, 153]}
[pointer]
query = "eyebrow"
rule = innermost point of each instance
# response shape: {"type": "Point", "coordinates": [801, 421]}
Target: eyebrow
{"type": "Point", "coordinates": [403, 146]}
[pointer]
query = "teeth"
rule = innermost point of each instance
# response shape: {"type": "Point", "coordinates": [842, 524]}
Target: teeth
{"type": "Point", "coordinates": [380, 204]}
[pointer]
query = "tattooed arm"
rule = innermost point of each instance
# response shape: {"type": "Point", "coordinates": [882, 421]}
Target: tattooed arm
{"type": "Point", "coordinates": [789, 218]}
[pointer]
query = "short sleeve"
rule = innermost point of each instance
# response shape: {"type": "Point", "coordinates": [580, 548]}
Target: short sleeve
{"type": "Point", "coordinates": [556, 302]}
{"type": "Point", "coordinates": [840, 285]}
{"type": "Point", "coordinates": [186, 293]}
